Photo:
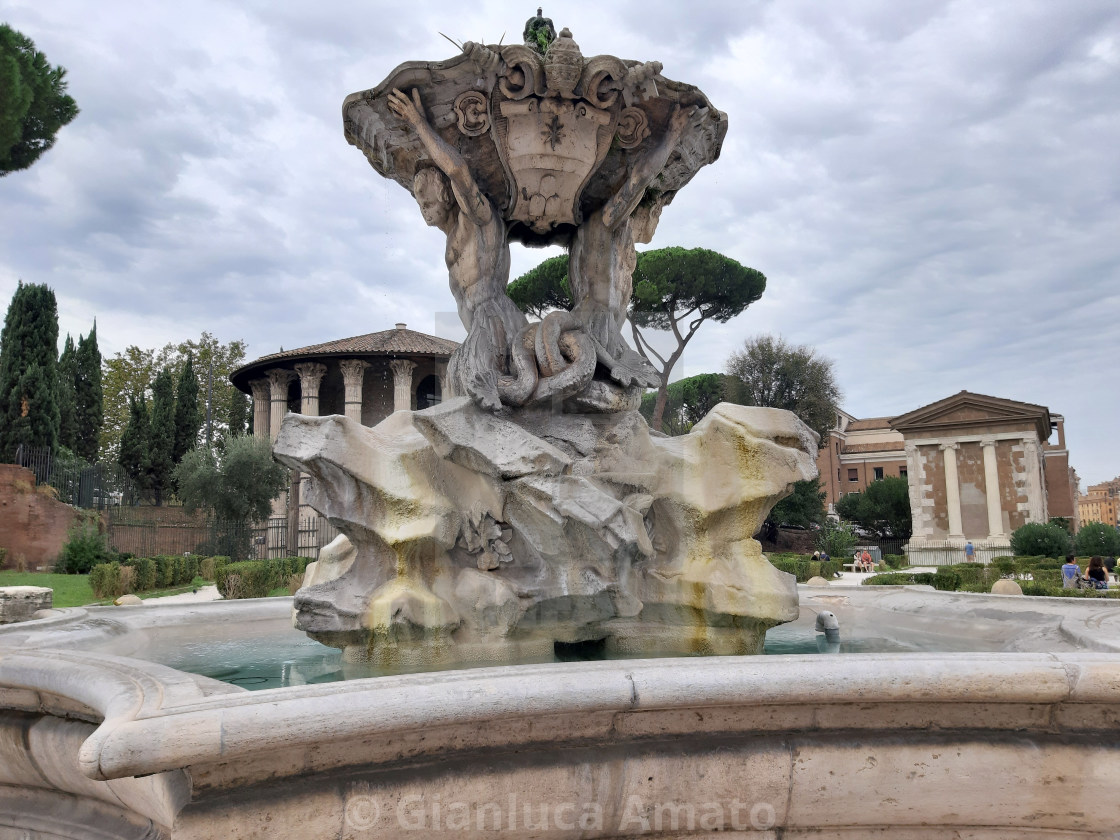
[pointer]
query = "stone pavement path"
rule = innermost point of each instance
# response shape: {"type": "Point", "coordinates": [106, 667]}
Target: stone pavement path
{"type": "Point", "coordinates": [204, 593]}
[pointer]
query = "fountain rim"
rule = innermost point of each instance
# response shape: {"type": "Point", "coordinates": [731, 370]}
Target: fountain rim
{"type": "Point", "coordinates": [145, 709]}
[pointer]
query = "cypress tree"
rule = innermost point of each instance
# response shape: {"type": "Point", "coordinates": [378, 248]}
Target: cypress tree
{"type": "Point", "coordinates": [188, 416]}
{"type": "Point", "coordinates": [161, 436]}
{"type": "Point", "coordinates": [29, 411]}
{"type": "Point", "coordinates": [67, 407]}
{"type": "Point", "coordinates": [134, 442]}
{"type": "Point", "coordinates": [238, 413]}
{"type": "Point", "coordinates": [88, 410]}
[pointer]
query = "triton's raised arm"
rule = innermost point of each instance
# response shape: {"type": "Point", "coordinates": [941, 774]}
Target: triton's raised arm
{"type": "Point", "coordinates": [626, 199]}
{"type": "Point", "coordinates": [469, 197]}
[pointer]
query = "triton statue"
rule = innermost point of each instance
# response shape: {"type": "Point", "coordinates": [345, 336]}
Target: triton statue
{"type": "Point", "coordinates": [533, 505]}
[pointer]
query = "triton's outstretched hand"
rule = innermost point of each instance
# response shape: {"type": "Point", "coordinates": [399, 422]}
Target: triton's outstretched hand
{"type": "Point", "coordinates": [409, 110]}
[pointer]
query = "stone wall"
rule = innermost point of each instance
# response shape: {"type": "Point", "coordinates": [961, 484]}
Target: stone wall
{"type": "Point", "coordinates": [33, 524]}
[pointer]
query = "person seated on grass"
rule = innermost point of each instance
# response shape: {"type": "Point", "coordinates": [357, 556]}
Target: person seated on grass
{"type": "Point", "coordinates": [1096, 576]}
{"type": "Point", "coordinates": [1071, 573]}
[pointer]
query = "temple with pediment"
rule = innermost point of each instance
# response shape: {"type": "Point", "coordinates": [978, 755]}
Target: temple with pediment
{"type": "Point", "coordinates": [977, 466]}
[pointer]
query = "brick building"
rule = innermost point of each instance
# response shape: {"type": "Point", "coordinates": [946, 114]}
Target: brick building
{"type": "Point", "coordinates": [977, 466]}
{"type": "Point", "coordinates": [1101, 503]}
{"type": "Point", "coordinates": [857, 452]}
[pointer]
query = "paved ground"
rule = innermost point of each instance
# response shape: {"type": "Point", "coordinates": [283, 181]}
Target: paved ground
{"type": "Point", "coordinates": [204, 593]}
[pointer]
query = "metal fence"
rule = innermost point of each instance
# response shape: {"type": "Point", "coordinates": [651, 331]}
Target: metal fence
{"type": "Point", "coordinates": [105, 486]}
{"type": "Point", "coordinates": [259, 541]}
{"type": "Point", "coordinates": [76, 482]}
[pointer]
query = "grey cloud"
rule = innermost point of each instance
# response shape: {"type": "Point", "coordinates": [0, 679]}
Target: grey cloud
{"type": "Point", "coordinates": [931, 187]}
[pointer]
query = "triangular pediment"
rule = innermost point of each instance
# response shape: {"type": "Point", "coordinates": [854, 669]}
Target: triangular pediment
{"type": "Point", "coordinates": [969, 409]}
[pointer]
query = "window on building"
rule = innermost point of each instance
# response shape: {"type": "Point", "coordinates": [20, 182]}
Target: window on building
{"type": "Point", "coordinates": [853, 474]}
{"type": "Point", "coordinates": [902, 472]}
{"type": "Point", "coordinates": [878, 473]}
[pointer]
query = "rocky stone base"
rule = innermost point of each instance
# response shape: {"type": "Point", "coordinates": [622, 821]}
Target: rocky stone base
{"type": "Point", "coordinates": [478, 536]}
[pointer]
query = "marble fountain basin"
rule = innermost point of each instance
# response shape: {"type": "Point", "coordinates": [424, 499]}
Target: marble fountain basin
{"type": "Point", "coordinates": [1016, 739]}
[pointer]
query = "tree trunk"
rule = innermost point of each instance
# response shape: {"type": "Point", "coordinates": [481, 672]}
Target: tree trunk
{"type": "Point", "coordinates": [659, 406]}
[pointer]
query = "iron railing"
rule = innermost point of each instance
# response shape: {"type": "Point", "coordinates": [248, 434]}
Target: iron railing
{"type": "Point", "coordinates": [239, 540]}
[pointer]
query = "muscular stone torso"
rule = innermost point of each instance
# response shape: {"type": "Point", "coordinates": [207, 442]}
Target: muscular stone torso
{"type": "Point", "coordinates": [477, 262]}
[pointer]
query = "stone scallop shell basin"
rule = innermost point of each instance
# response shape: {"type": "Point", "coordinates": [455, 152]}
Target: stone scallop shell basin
{"type": "Point", "coordinates": [1017, 740]}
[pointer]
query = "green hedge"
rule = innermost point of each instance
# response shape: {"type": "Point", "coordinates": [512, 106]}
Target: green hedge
{"type": "Point", "coordinates": [208, 568]}
{"type": "Point", "coordinates": [895, 561]}
{"type": "Point", "coordinates": [142, 574]}
{"type": "Point", "coordinates": [803, 567]}
{"type": "Point", "coordinates": [1045, 573]}
{"type": "Point", "coordinates": [256, 578]}
{"type": "Point", "coordinates": [1031, 587]}
{"type": "Point", "coordinates": [105, 580]}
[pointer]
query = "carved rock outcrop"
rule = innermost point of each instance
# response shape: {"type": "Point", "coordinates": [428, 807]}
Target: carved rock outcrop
{"type": "Point", "coordinates": [488, 537]}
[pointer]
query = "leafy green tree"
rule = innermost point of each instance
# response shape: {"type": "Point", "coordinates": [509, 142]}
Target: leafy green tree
{"type": "Point", "coordinates": [188, 418]}
{"type": "Point", "coordinates": [688, 401]}
{"type": "Point", "coordinates": [675, 289]}
{"type": "Point", "coordinates": [161, 437]}
{"type": "Point", "coordinates": [882, 509]}
{"type": "Point", "coordinates": [543, 288]}
{"type": "Point", "coordinates": [85, 547]}
{"type": "Point", "coordinates": [67, 398]}
{"type": "Point", "coordinates": [88, 398]}
{"type": "Point", "coordinates": [124, 376]}
{"type": "Point", "coordinates": [803, 508]}
{"type": "Point", "coordinates": [131, 372]}
{"type": "Point", "coordinates": [678, 290]}
{"type": "Point", "coordinates": [837, 539]}
{"type": "Point", "coordinates": [133, 455]}
{"type": "Point", "coordinates": [238, 414]}
{"type": "Point", "coordinates": [769, 372]}
{"type": "Point", "coordinates": [33, 101]}
{"type": "Point", "coordinates": [1039, 539]}
{"type": "Point", "coordinates": [29, 412]}
{"type": "Point", "coordinates": [1063, 522]}
{"type": "Point", "coordinates": [1097, 539]}
{"type": "Point", "coordinates": [235, 486]}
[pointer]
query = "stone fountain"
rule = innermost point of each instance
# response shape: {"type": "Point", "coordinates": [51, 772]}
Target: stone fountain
{"type": "Point", "coordinates": [536, 508]}
{"type": "Point", "coordinates": [533, 506]}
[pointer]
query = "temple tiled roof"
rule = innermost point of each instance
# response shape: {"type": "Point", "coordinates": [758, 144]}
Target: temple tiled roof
{"type": "Point", "coordinates": [399, 341]}
{"type": "Point", "coordinates": [386, 342]}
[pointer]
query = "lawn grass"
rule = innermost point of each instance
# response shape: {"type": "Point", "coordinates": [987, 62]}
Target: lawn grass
{"type": "Point", "coordinates": [69, 590]}
{"type": "Point", "coordinates": [75, 591]}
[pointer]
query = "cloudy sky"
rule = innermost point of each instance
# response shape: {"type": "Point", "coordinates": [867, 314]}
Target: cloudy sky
{"type": "Point", "coordinates": [931, 187]}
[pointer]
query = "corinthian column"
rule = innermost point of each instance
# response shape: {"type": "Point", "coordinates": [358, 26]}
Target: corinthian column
{"type": "Point", "coordinates": [260, 390]}
{"type": "Point", "coordinates": [310, 377]}
{"type": "Point", "coordinates": [353, 372]}
{"type": "Point", "coordinates": [1036, 482]}
{"type": "Point", "coordinates": [991, 488]}
{"type": "Point", "coordinates": [402, 384]}
{"type": "Point", "coordinates": [278, 380]}
{"type": "Point", "coordinates": [952, 490]}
